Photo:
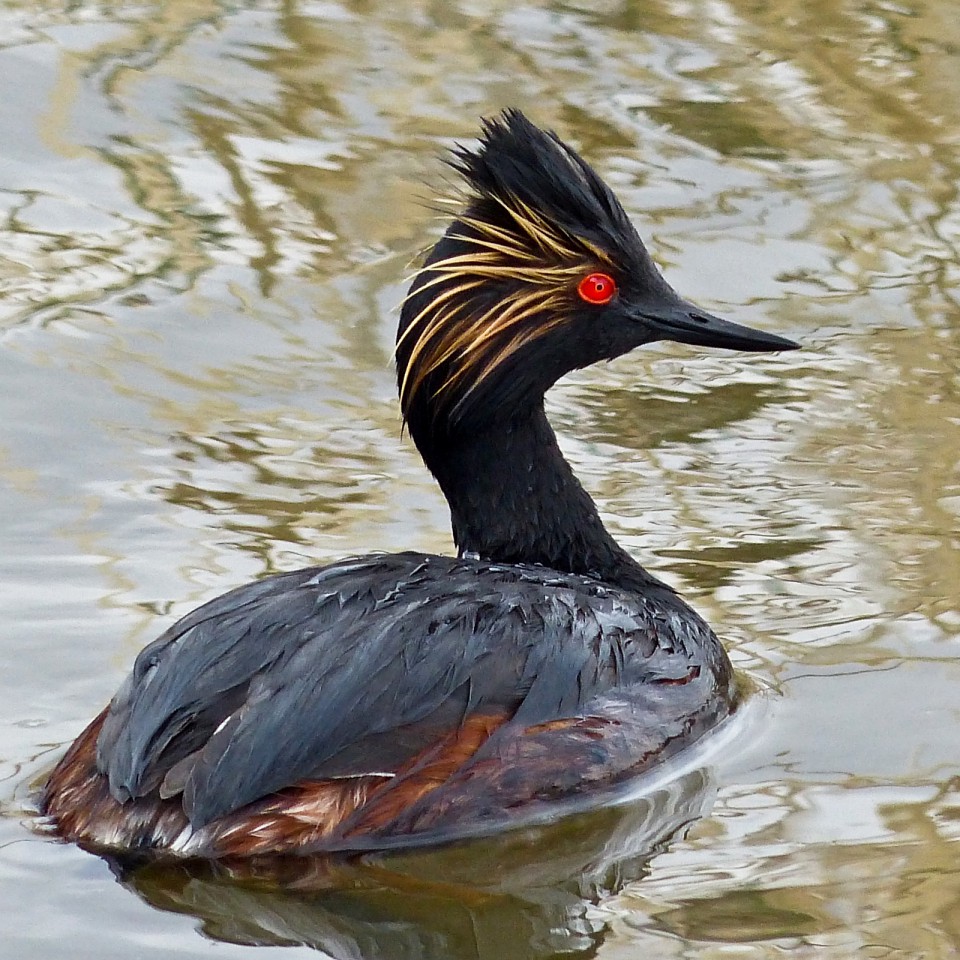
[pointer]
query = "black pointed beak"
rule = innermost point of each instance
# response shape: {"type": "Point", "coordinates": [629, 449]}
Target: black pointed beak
{"type": "Point", "coordinates": [685, 322]}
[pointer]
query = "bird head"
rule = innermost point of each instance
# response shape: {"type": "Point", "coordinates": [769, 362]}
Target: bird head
{"type": "Point", "coordinates": [540, 273]}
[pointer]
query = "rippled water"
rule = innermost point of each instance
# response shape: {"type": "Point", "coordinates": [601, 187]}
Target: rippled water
{"type": "Point", "coordinates": [207, 211]}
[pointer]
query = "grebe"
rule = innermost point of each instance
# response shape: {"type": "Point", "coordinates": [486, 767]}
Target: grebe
{"type": "Point", "coordinates": [402, 698]}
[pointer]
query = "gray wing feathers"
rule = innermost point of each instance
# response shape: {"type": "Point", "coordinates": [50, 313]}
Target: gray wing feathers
{"type": "Point", "coordinates": [303, 675]}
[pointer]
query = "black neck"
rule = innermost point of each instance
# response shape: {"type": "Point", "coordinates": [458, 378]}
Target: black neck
{"type": "Point", "coordinates": [514, 499]}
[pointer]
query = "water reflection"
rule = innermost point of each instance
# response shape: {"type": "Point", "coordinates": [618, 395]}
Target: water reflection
{"type": "Point", "coordinates": [525, 894]}
{"type": "Point", "coordinates": [881, 854]}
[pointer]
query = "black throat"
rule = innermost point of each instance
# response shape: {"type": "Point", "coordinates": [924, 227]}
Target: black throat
{"type": "Point", "coordinates": [514, 499]}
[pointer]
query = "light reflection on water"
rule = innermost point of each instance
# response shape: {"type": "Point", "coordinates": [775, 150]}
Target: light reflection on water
{"type": "Point", "coordinates": [206, 213]}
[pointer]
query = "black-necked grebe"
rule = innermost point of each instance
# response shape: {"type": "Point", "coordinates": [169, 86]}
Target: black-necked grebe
{"type": "Point", "coordinates": [394, 698]}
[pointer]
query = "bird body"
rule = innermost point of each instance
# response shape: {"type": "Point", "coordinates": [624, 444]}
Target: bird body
{"type": "Point", "coordinates": [400, 698]}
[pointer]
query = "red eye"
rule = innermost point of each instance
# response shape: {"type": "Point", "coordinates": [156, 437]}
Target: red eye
{"type": "Point", "coordinates": [597, 288]}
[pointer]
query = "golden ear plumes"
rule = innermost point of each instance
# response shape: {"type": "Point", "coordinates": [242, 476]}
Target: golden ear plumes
{"type": "Point", "coordinates": [468, 336]}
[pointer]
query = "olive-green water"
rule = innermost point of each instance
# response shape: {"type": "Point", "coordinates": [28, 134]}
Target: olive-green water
{"type": "Point", "coordinates": [207, 212]}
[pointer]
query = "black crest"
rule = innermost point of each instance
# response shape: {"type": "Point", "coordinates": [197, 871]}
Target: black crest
{"type": "Point", "coordinates": [523, 168]}
{"type": "Point", "coordinates": [534, 220]}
